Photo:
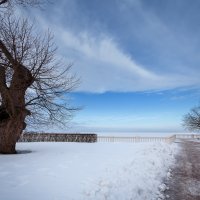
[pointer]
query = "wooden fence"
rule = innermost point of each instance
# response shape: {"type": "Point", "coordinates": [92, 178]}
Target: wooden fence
{"type": "Point", "coordinates": [50, 137]}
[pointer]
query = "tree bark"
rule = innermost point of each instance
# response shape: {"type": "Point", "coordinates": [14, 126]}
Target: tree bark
{"type": "Point", "coordinates": [12, 110]}
{"type": "Point", "coordinates": [12, 121]}
{"type": "Point", "coordinates": [10, 131]}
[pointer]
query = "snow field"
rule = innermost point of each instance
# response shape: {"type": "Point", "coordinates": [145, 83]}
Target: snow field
{"type": "Point", "coordinates": [80, 171]}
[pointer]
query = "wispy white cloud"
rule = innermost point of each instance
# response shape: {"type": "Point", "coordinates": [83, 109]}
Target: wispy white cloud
{"type": "Point", "coordinates": [103, 50]}
{"type": "Point", "coordinates": [104, 65]}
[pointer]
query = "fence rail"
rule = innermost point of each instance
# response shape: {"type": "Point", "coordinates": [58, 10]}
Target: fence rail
{"type": "Point", "coordinates": [188, 136]}
{"type": "Point", "coordinates": [135, 139]}
{"type": "Point", "coordinates": [52, 137]}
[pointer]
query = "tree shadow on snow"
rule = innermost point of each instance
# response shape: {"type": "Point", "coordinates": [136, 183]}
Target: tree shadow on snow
{"type": "Point", "coordinates": [23, 151]}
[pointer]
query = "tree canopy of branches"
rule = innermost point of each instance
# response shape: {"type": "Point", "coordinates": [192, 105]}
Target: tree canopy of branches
{"type": "Point", "coordinates": [32, 86]}
{"type": "Point", "coordinates": [10, 3]}
{"type": "Point", "coordinates": [192, 120]}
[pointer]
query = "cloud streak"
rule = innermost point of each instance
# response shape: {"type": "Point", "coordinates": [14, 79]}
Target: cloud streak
{"type": "Point", "coordinates": [104, 63]}
{"type": "Point", "coordinates": [103, 66]}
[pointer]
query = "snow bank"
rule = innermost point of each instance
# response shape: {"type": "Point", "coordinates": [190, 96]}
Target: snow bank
{"type": "Point", "coordinates": [76, 171]}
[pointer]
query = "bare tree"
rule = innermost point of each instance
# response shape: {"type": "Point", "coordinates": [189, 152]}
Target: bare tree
{"type": "Point", "coordinates": [192, 120]}
{"type": "Point", "coordinates": [31, 83]}
{"type": "Point", "coordinates": [10, 3]}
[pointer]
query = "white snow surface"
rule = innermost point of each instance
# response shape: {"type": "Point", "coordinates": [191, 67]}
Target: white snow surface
{"type": "Point", "coordinates": [80, 171]}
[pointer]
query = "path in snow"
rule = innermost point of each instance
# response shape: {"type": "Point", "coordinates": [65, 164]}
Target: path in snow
{"type": "Point", "coordinates": [185, 181]}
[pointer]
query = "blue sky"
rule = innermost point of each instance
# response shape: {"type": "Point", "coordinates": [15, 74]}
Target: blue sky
{"type": "Point", "coordinates": [134, 111]}
{"type": "Point", "coordinates": [138, 60]}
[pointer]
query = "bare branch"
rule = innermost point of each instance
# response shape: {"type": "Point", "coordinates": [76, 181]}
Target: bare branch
{"type": "Point", "coordinates": [8, 3]}
{"type": "Point", "coordinates": [192, 120]}
{"type": "Point", "coordinates": [31, 64]}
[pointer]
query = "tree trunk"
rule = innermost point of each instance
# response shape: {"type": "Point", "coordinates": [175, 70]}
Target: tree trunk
{"type": "Point", "coordinates": [10, 131]}
{"type": "Point", "coordinates": [12, 109]}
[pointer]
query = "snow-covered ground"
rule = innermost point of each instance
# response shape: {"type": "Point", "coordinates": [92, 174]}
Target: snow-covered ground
{"type": "Point", "coordinates": [78, 171]}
